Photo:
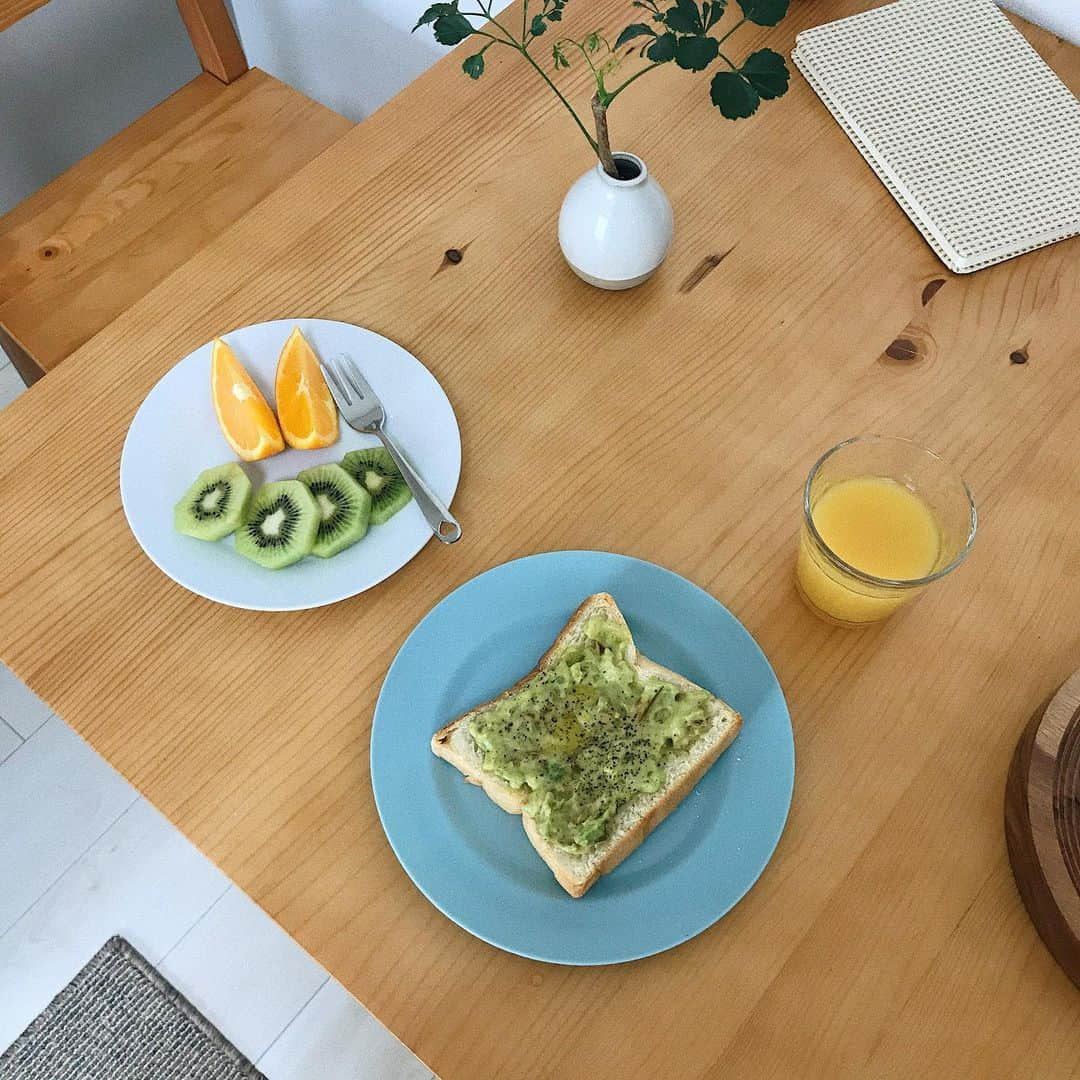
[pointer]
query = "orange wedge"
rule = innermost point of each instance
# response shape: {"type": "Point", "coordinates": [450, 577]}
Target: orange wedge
{"type": "Point", "coordinates": [307, 412]}
{"type": "Point", "coordinates": [247, 422]}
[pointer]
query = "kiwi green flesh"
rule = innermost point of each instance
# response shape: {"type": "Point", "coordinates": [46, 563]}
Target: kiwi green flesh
{"type": "Point", "coordinates": [375, 469]}
{"type": "Point", "coordinates": [281, 526]}
{"type": "Point", "coordinates": [215, 505]}
{"type": "Point", "coordinates": [344, 508]}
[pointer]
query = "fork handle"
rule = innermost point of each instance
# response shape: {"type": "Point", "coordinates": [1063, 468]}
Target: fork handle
{"type": "Point", "coordinates": [442, 522]}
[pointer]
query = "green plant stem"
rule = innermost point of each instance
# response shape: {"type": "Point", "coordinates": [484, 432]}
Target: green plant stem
{"type": "Point", "coordinates": [588, 59]}
{"type": "Point", "coordinates": [522, 47]}
{"type": "Point", "coordinates": [524, 19]}
{"type": "Point", "coordinates": [721, 40]}
{"type": "Point", "coordinates": [558, 93]}
{"type": "Point", "coordinates": [485, 13]}
{"type": "Point", "coordinates": [483, 33]}
{"type": "Point", "coordinates": [619, 89]}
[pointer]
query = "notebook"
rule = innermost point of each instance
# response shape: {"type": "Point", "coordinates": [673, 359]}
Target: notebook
{"type": "Point", "coordinates": [974, 135]}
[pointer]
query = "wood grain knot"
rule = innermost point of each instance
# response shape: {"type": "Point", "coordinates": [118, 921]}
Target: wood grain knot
{"type": "Point", "coordinates": [48, 252]}
{"type": "Point", "coordinates": [703, 269]}
{"type": "Point", "coordinates": [914, 348]}
{"type": "Point", "coordinates": [930, 290]}
{"type": "Point", "coordinates": [903, 350]}
{"type": "Point", "coordinates": [451, 257]}
{"type": "Point", "coordinates": [1019, 356]}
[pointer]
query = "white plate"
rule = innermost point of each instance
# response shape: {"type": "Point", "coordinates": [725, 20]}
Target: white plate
{"type": "Point", "coordinates": [175, 435]}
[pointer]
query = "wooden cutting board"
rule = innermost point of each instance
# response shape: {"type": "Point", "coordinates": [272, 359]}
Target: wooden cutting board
{"type": "Point", "coordinates": [1042, 824]}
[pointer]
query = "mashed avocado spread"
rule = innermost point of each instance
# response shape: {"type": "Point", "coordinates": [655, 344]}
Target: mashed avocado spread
{"type": "Point", "coordinates": [587, 734]}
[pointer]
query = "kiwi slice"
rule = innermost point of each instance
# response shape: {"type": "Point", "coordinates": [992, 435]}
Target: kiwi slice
{"type": "Point", "coordinates": [344, 508]}
{"type": "Point", "coordinates": [215, 505]}
{"type": "Point", "coordinates": [375, 469]}
{"type": "Point", "coordinates": [281, 526]}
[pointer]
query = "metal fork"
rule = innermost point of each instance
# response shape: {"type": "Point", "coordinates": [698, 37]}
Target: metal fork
{"type": "Point", "coordinates": [362, 410]}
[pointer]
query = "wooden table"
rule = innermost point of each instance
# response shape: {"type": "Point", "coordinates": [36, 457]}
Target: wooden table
{"type": "Point", "coordinates": [675, 423]}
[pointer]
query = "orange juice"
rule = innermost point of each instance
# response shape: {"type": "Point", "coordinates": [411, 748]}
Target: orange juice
{"type": "Point", "coordinates": [877, 526]}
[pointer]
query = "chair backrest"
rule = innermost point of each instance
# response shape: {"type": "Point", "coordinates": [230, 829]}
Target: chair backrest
{"type": "Point", "coordinates": [208, 25]}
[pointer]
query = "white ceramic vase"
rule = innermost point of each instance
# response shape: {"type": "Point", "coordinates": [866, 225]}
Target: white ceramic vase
{"type": "Point", "coordinates": [615, 233]}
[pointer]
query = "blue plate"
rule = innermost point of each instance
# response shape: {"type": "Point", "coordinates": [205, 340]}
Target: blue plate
{"type": "Point", "coordinates": [473, 860]}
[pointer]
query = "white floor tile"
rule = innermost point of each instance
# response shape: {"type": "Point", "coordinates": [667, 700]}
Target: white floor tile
{"type": "Point", "coordinates": [337, 1037]}
{"type": "Point", "coordinates": [57, 796]}
{"type": "Point", "coordinates": [9, 741]}
{"type": "Point", "coordinates": [243, 972]}
{"type": "Point", "coordinates": [11, 385]}
{"type": "Point", "coordinates": [20, 707]}
{"type": "Point", "coordinates": [141, 879]}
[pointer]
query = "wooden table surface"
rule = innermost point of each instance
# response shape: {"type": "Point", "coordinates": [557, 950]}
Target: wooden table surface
{"type": "Point", "coordinates": [674, 423]}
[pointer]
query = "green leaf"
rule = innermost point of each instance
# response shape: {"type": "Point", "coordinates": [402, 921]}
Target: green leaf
{"type": "Point", "coordinates": [554, 16]}
{"type": "Point", "coordinates": [733, 95]}
{"type": "Point", "coordinates": [433, 13]}
{"type": "Point", "coordinates": [713, 12]}
{"type": "Point", "coordinates": [767, 73]}
{"type": "Point", "coordinates": [662, 49]}
{"type": "Point", "coordinates": [473, 66]}
{"type": "Point", "coordinates": [635, 30]}
{"type": "Point", "coordinates": [538, 26]}
{"type": "Point", "coordinates": [451, 29]}
{"type": "Point", "coordinates": [684, 18]}
{"type": "Point", "coordinates": [696, 52]}
{"type": "Point", "coordinates": [764, 12]}
{"type": "Point", "coordinates": [559, 56]}
{"type": "Point", "coordinates": [592, 41]}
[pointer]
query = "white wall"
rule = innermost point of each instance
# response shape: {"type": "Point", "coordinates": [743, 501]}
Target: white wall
{"type": "Point", "coordinates": [74, 73]}
{"type": "Point", "coordinates": [355, 54]}
{"type": "Point", "coordinates": [352, 55]}
{"type": "Point", "coordinates": [77, 71]}
{"type": "Point", "coordinates": [1062, 17]}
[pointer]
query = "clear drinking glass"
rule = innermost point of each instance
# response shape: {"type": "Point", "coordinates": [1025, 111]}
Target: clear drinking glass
{"type": "Point", "coordinates": [873, 524]}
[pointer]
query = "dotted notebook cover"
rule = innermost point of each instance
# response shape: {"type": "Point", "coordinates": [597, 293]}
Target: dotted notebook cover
{"type": "Point", "coordinates": [974, 135]}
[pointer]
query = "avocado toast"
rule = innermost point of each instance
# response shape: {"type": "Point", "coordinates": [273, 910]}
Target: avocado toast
{"type": "Point", "coordinates": [594, 747]}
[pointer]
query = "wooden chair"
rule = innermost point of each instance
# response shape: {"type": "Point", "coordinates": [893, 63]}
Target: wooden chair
{"type": "Point", "coordinates": [89, 245]}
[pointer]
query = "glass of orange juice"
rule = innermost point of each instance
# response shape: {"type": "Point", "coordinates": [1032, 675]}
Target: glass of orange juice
{"type": "Point", "coordinates": [882, 519]}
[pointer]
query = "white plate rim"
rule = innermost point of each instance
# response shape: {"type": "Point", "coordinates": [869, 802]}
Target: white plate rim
{"type": "Point", "coordinates": [346, 593]}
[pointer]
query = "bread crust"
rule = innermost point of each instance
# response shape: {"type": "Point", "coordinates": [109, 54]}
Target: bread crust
{"type": "Point", "coordinates": [636, 819]}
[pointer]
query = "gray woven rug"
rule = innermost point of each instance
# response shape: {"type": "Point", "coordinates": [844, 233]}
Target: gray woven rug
{"type": "Point", "coordinates": [118, 1019]}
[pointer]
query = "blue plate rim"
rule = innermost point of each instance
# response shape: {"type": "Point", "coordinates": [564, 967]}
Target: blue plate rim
{"type": "Point", "coordinates": [527, 953]}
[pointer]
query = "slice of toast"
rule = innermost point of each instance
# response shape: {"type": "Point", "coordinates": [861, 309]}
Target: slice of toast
{"type": "Point", "coordinates": [634, 820]}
